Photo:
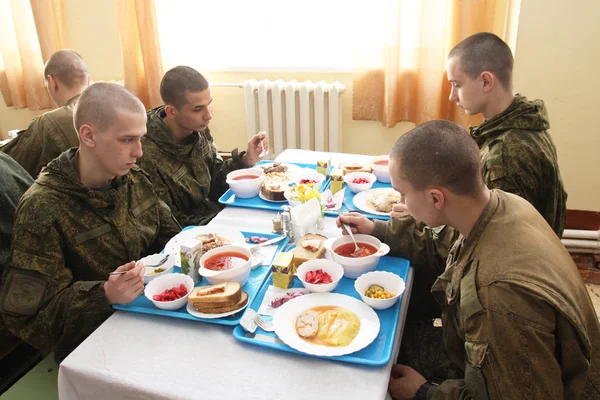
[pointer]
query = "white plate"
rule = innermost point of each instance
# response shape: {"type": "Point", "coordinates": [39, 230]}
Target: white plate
{"type": "Point", "coordinates": [172, 247]}
{"type": "Point", "coordinates": [190, 309]}
{"type": "Point", "coordinates": [284, 323]}
{"type": "Point", "coordinates": [271, 201]}
{"type": "Point", "coordinates": [293, 169]}
{"type": "Point", "coordinates": [360, 200]}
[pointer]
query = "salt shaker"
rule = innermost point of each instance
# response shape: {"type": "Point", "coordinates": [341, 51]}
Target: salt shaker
{"type": "Point", "coordinates": [277, 224]}
{"type": "Point", "coordinates": [286, 222]}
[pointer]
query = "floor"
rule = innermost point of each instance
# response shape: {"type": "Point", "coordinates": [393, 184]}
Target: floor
{"type": "Point", "coordinates": [40, 383]}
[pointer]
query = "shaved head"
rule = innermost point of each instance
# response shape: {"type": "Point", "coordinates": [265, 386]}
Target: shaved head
{"type": "Point", "coordinates": [67, 67]}
{"type": "Point", "coordinates": [100, 102]}
{"type": "Point", "coordinates": [439, 153]}
{"type": "Point", "coordinates": [485, 52]}
{"type": "Point", "coordinates": [177, 82]}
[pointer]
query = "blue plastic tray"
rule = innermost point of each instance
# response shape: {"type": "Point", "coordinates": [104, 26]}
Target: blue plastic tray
{"type": "Point", "coordinates": [229, 199]}
{"type": "Point", "coordinates": [252, 287]}
{"type": "Point", "coordinates": [377, 353]}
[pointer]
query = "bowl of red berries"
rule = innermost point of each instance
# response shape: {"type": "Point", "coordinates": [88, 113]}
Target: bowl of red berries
{"type": "Point", "coordinates": [359, 181]}
{"type": "Point", "coordinates": [320, 275]}
{"type": "Point", "coordinates": [169, 292]}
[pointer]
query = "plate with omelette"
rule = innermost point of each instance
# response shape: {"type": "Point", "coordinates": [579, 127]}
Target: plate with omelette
{"type": "Point", "coordinates": [326, 324]}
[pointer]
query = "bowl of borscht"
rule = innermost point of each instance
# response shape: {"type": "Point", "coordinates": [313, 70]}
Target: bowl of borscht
{"type": "Point", "coordinates": [245, 183]}
{"type": "Point", "coordinates": [226, 264]}
{"type": "Point", "coordinates": [355, 263]}
{"type": "Point", "coordinates": [380, 167]}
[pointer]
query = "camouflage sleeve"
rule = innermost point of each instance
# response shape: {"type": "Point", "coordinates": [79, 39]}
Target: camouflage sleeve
{"type": "Point", "coordinates": [220, 168]}
{"type": "Point", "coordinates": [169, 227]}
{"type": "Point", "coordinates": [511, 347]}
{"type": "Point", "coordinates": [41, 301]}
{"type": "Point", "coordinates": [30, 149]}
{"type": "Point", "coordinates": [416, 242]}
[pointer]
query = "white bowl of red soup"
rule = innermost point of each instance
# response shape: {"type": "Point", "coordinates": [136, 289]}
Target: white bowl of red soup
{"type": "Point", "coordinates": [245, 183]}
{"type": "Point", "coordinates": [226, 264]}
{"type": "Point", "coordinates": [380, 167]}
{"type": "Point", "coordinates": [356, 263]}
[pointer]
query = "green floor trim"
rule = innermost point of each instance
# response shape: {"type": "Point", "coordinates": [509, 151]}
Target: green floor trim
{"type": "Point", "coordinates": [39, 383]}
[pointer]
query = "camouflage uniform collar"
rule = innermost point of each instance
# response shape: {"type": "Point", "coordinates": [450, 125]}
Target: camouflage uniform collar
{"type": "Point", "coordinates": [62, 175]}
{"type": "Point", "coordinates": [73, 100]}
{"type": "Point", "coordinates": [160, 133]}
{"type": "Point", "coordinates": [521, 114]}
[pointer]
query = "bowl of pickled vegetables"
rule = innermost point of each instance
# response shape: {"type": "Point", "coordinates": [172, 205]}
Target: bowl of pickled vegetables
{"type": "Point", "coordinates": [379, 289]}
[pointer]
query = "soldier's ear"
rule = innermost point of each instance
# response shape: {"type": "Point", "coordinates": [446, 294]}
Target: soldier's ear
{"type": "Point", "coordinates": [488, 80]}
{"type": "Point", "coordinates": [86, 136]}
{"type": "Point", "coordinates": [52, 84]}
{"type": "Point", "coordinates": [437, 198]}
{"type": "Point", "coordinates": [170, 110]}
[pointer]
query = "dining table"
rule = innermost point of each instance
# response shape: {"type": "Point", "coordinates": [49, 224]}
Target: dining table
{"type": "Point", "coordinates": [140, 356]}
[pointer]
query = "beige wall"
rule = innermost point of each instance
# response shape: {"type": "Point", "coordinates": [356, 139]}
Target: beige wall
{"type": "Point", "coordinates": [556, 58]}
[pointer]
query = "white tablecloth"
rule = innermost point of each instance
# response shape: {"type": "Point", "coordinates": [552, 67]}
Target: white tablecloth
{"type": "Point", "coordinates": [136, 356]}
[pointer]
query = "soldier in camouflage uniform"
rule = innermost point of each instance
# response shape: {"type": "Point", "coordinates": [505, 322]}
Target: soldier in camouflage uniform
{"type": "Point", "coordinates": [517, 156]}
{"type": "Point", "coordinates": [517, 153]}
{"type": "Point", "coordinates": [179, 152]}
{"type": "Point", "coordinates": [53, 132]}
{"type": "Point", "coordinates": [91, 211]}
{"type": "Point", "coordinates": [517, 318]}
{"type": "Point", "coordinates": [14, 181]}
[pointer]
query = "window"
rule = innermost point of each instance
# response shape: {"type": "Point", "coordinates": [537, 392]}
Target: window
{"type": "Point", "coordinates": [267, 35]}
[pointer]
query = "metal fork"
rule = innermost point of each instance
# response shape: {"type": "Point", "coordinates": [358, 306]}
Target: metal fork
{"type": "Point", "coordinates": [158, 264]}
{"type": "Point", "coordinates": [257, 319]}
{"type": "Point", "coordinates": [265, 326]}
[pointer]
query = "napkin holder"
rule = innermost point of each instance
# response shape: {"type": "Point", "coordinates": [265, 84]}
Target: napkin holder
{"type": "Point", "coordinates": [305, 218]}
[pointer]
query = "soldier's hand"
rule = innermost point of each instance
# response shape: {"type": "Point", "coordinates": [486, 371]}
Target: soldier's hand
{"type": "Point", "coordinates": [256, 145]}
{"type": "Point", "coordinates": [399, 210]}
{"type": "Point", "coordinates": [357, 222]}
{"type": "Point", "coordinates": [404, 382]}
{"type": "Point", "coordinates": [123, 289]}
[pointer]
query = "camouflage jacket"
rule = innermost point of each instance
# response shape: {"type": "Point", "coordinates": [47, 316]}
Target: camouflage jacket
{"type": "Point", "coordinates": [44, 139]}
{"type": "Point", "coordinates": [67, 238]}
{"type": "Point", "coordinates": [516, 314]}
{"type": "Point", "coordinates": [189, 176]}
{"type": "Point", "coordinates": [14, 181]}
{"type": "Point", "coordinates": [518, 156]}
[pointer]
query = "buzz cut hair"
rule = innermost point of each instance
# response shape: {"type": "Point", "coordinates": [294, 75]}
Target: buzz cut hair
{"type": "Point", "coordinates": [439, 153]}
{"type": "Point", "coordinates": [485, 51]}
{"type": "Point", "coordinates": [99, 103]}
{"type": "Point", "coordinates": [67, 67]}
{"type": "Point", "coordinates": [177, 82]}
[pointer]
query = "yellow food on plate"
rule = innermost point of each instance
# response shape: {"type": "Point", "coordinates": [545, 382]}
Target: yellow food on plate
{"type": "Point", "coordinates": [157, 271]}
{"type": "Point", "coordinates": [378, 292]}
{"type": "Point", "coordinates": [337, 326]}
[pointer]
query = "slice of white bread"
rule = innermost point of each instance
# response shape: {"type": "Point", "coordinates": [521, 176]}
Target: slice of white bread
{"type": "Point", "coordinates": [309, 247]}
{"type": "Point", "coordinates": [355, 167]}
{"type": "Point", "coordinates": [272, 189]}
{"type": "Point", "coordinates": [221, 294]}
{"type": "Point", "coordinates": [215, 308]}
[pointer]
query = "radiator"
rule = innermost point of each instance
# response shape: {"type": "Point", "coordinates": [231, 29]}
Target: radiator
{"type": "Point", "coordinates": [297, 115]}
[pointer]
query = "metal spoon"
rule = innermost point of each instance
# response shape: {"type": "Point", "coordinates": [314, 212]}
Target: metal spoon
{"type": "Point", "coordinates": [349, 230]}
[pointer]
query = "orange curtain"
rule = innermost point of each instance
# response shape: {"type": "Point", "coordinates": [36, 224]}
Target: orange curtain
{"type": "Point", "coordinates": [23, 55]}
{"type": "Point", "coordinates": [142, 57]}
{"type": "Point", "coordinates": [404, 77]}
